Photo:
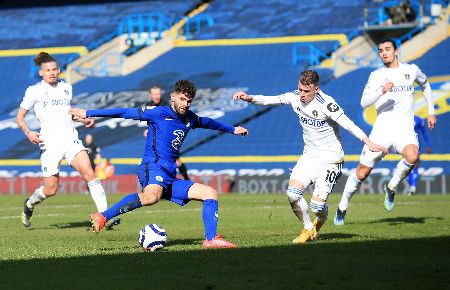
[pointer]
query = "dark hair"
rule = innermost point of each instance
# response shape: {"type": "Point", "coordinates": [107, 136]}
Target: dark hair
{"type": "Point", "coordinates": [389, 40]}
{"type": "Point", "coordinates": [43, 57]}
{"type": "Point", "coordinates": [309, 77]}
{"type": "Point", "coordinates": [154, 87]}
{"type": "Point", "coordinates": [185, 87]}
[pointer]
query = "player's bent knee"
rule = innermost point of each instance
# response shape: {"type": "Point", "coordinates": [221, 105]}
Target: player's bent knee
{"type": "Point", "coordinates": [362, 172]}
{"type": "Point", "coordinates": [412, 155]}
{"type": "Point", "coordinates": [211, 193]}
{"type": "Point", "coordinates": [148, 198]}
{"type": "Point", "coordinates": [50, 190]}
{"type": "Point", "coordinates": [319, 208]}
{"type": "Point", "coordinates": [294, 194]}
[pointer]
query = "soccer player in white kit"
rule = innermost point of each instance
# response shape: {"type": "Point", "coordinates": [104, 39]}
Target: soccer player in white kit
{"type": "Point", "coordinates": [58, 138]}
{"type": "Point", "coordinates": [323, 155]}
{"type": "Point", "coordinates": [391, 89]}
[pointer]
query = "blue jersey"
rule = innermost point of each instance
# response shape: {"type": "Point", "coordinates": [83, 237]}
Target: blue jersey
{"type": "Point", "coordinates": [166, 130]}
{"type": "Point", "coordinates": [419, 128]}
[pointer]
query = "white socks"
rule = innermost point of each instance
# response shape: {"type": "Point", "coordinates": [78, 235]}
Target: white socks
{"type": "Point", "coordinates": [351, 186]}
{"type": "Point", "coordinates": [299, 206]}
{"type": "Point", "coordinates": [37, 197]}
{"type": "Point", "coordinates": [98, 195]}
{"type": "Point", "coordinates": [401, 171]}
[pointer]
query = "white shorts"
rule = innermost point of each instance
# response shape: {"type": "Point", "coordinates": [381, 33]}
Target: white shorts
{"type": "Point", "coordinates": [51, 157]}
{"type": "Point", "coordinates": [391, 138]}
{"type": "Point", "coordinates": [321, 174]}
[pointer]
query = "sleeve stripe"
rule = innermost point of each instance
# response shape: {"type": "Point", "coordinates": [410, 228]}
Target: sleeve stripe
{"type": "Point", "coordinates": [320, 98]}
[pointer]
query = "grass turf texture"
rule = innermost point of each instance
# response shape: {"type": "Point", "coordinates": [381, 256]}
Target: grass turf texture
{"type": "Point", "coordinates": [406, 249]}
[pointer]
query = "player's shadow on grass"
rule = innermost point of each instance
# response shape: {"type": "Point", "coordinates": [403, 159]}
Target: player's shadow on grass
{"type": "Point", "coordinates": [347, 265]}
{"type": "Point", "coordinates": [184, 242]}
{"type": "Point", "coordinates": [331, 236]}
{"type": "Point", "coordinates": [403, 220]}
{"type": "Point", "coordinates": [83, 224]}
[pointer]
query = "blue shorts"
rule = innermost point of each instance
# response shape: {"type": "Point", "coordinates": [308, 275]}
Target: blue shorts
{"type": "Point", "coordinates": [175, 190]}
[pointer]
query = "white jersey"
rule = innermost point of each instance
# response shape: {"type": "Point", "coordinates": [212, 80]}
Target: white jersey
{"type": "Point", "coordinates": [397, 105]}
{"type": "Point", "coordinates": [318, 120]}
{"type": "Point", "coordinates": [51, 105]}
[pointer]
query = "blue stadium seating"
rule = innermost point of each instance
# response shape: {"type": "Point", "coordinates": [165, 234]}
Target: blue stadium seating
{"type": "Point", "coordinates": [247, 18]}
{"type": "Point", "coordinates": [60, 26]}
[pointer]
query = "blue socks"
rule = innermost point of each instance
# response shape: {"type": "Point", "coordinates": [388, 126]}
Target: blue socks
{"type": "Point", "coordinates": [210, 217]}
{"type": "Point", "coordinates": [413, 177]}
{"type": "Point", "coordinates": [126, 204]}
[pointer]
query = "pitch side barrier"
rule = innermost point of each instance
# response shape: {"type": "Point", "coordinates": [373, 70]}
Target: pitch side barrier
{"type": "Point", "coordinates": [432, 181]}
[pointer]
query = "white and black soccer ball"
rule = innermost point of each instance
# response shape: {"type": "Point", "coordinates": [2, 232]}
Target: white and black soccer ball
{"type": "Point", "coordinates": [152, 237]}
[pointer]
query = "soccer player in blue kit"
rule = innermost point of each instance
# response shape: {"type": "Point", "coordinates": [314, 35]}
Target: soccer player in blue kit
{"type": "Point", "coordinates": [419, 128]}
{"type": "Point", "coordinates": [168, 126]}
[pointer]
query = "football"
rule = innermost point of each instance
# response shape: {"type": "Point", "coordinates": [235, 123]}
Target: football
{"type": "Point", "coordinates": [152, 237]}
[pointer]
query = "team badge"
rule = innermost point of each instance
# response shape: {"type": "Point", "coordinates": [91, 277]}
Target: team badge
{"type": "Point", "coordinates": [332, 107]}
{"type": "Point", "coordinates": [407, 77]}
{"type": "Point", "coordinates": [159, 178]}
{"type": "Point", "coordinates": [188, 124]}
{"type": "Point", "coordinates": [67, 92]}
{"type": "Point", "coordinates": [315, 113]}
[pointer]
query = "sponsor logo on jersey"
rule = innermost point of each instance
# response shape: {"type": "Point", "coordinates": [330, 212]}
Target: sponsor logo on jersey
{"type": "Point", "coordinates": [402, 88]}
{"type": "Point", "coordinates": [176, 143]}
{"type": "Point", "coordinates": [332, 107]}
{"type": "Point", "coordinates": [312, 122]}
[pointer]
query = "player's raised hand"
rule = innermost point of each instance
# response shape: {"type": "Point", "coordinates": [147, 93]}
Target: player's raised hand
{"type": "Point", "coordinates": [242, 96]}
{"type": "Point", "coordinates": [387, 87]}
{"type": "Point", "coordinates": [77, 113]}
{"type": "Point", "coordinates": [33, 137]}
{"type": "Point", "coordinates": [431, 121]}
{"type": "Point", "coordinates": [240, 131]}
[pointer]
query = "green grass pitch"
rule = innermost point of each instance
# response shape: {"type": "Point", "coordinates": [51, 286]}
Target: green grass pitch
{"type": "Point", "coordinates": [406, 249]}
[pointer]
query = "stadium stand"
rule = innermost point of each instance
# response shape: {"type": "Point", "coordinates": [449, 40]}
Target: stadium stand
{"type": "Point", "coordinates": [62, 24]}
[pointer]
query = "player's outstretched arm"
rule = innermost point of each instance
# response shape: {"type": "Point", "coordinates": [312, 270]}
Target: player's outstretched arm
{"type": "Point", "coordinates": [264, 100]}
{"type": "Point", "coordinates": [32, 136]}
{"type": "Point", "coordinates": [126, 113]}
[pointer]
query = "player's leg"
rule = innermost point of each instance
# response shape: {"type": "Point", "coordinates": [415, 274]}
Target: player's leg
{"type": "Point", "coordinates": [367, 161]}
{"type": "Point", "coordinates": [151, 194]}
{"type": "Point", "coordinates": [301, 177]}
{"type": "Point", "coordinates": [149, 177]}
{"type": "Point", "coordinates": [324, 184]}
{"type": "Point", "coordinates": [182, 168]}
{"type": "Point", "coordinates": [210, 211]}
{"type": "Point", "coordinates": [413, 177]}
{"type": "Point", "coordinates": [82, 164]}
{"type": "Point", "coordinates": [351, 186]}
{"type": "Point", "coordinates": [408, 144]}
{"type": "Point", "coordinates": [49, 189]}
{"type": "Point", "coordinates": [50, 161]}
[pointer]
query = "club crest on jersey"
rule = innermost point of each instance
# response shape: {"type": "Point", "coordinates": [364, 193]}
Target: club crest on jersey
{"type": "Point", "coordinates": [315, 113]}
{"type": "Point", "coordinates": [332, 107]}
{"type": "Point", "coordinates": [407, 77]}
{"type": "Point", "coordinates": [159, 178]}
{"type": "Point", "coordinates": [188, 124]}
{"type": "Point", "coordinates": [67, 92]}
